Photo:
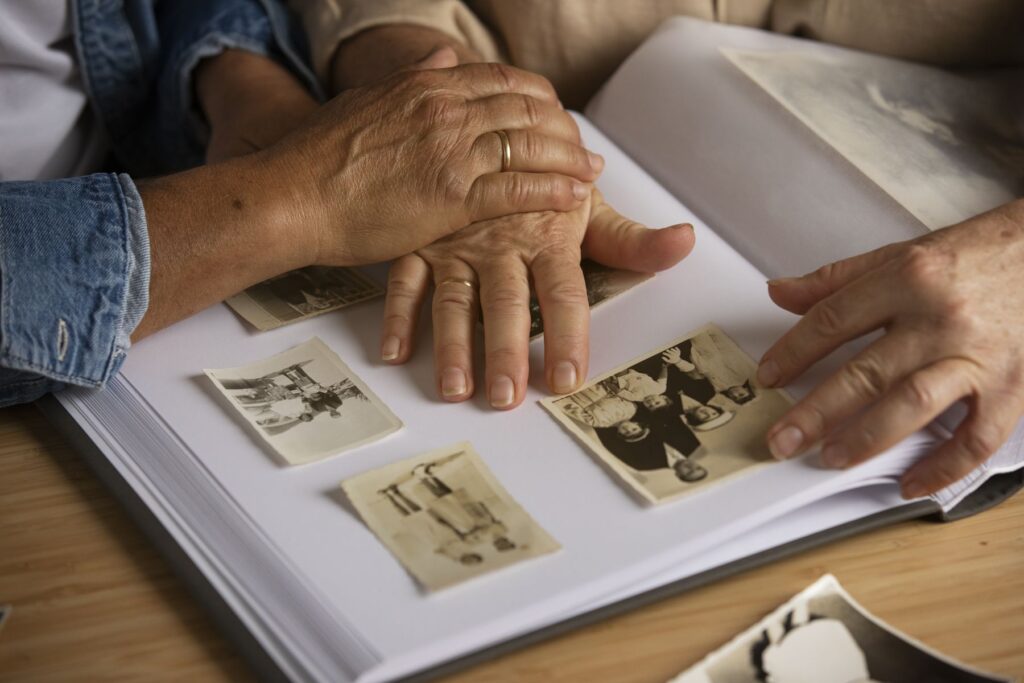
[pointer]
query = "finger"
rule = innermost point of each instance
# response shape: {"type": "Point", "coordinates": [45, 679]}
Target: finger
{"type": "Point", "coordinates": [455, 313]}
{"type": "Point", "coordinates": [537, 153]}
{"type": "Point", "coordinates": [521, 112]}
{"type": "Point", "coordinates": [858, 383]}
{"type": "Point", "coordinates": [488, 78]}
{"type": "Point", "coordinates": [408, 279]}
{"type": "Point", "coordinates": [616, 241]}
{"type": "Point", "coordinates": [798, 294]}
{"type": "Point", "coordinates": [441, 58]}
{"type": "Point", "coordinates": [500, 194]}
{"type": "Point", "coordinates": [562, 294]}
{"type": "Point", "coordinates": [987, 426]}
{"type": "Point", "coordinates": [505, 302]}
{"type": "Point", "coordinates": [860, 307]}
{"type": "Point", "coordinates": [913, 402]}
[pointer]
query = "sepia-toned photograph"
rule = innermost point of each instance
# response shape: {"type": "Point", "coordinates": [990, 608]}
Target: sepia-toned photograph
{"type": "Point", "coordinates": [946, 146]}
{"type": "Point", "coordinates": [302, 294]}
{"type": "Point", "coordinates": [445, 517]}
{"type": "Point", "coordinates": [676, 420]}
{"type": "Point", "coordinates": [603, 283]}
{"type": "Point", "coordinates": [823, 635]}
{"type": "Point", "coordinates": [305, 403]}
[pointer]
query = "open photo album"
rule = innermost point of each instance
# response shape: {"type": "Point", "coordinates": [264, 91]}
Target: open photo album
{"type": "Point", "coordinates": [356, 528]}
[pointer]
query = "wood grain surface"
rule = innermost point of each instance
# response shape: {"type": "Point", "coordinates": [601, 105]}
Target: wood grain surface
{"type": "Point", "coordinates": [93, 601]}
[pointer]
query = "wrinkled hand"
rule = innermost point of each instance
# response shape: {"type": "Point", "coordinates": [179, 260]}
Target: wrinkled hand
{"type": "Point", "coordinates": [249, 101]}
{"type": "Point", "coordinates": [381, 171]}
{"type": "Point", "coordinates": [952, 307]}
{"type": "Point", "coordinates": [489, 266]}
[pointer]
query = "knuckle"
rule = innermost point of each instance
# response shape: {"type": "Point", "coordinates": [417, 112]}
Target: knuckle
{"type": "Point", "coordinates": [505, 76]}
{"type": "Point", "coordinates": [505, 299]}
{"type": "Point", "coordinates": [503, 357]}
{"type": "Point", "coordinates": [811, 420]}
{"type": "Point", "coordinates": [827, 319]}
{"type": "Point", "coordinates": [400, 288]}
{"type": "Point", "coordinates": [919, 395]}
{"type": "Point", "coordinates": [438, 110]}
{"type": "Point", "coordinates": [396, 321]}
{"type": "Point", "coordinates": [979, 443]}
{"type": "Point", "coordinates": [865, 377]}
{"type": "Point", "coordinates": [453, 186]}
{"type": "Point", "coordinates": [452, 349]}
{"type": "Point", "coordinates": [923, 268]}
{"type": "Point", "coordinates": [454, 300]}
{"type": "Point", "coordinates": [531, 111]}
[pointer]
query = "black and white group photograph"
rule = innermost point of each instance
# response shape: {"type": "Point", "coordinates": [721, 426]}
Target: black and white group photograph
{"type": "Point", "coordinates": [305, 403]}
{"type": "Point", "coordinates": [301, 294]}
{"type": "Point", "coordinates": [445, 517]}
{"type": "Point", "coordinates": [822, 635]}
{"type": "Point", "coordinates": [677, 419]}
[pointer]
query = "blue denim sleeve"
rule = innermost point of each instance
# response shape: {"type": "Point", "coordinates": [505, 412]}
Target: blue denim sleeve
{"type": "Point", "coordinates": [74, 281]}
{"type": "Point", "coordinates": [192, 30]}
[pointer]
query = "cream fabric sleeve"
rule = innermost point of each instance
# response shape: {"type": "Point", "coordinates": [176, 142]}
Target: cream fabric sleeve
{"type": "Point", "coordinates": [329, 22]}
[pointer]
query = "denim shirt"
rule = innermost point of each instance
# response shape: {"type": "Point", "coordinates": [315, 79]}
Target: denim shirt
{"type": "Point", "coordinates": [74, 253]}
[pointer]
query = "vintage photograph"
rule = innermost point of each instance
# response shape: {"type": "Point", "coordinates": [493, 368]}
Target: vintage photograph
{"type": "Point", "coordinates": [305, 403]}
{"type": "Point", "coordinates": [678, 419]}
{"type": "Point", "coordinates": [302, 294]}
{"type": "Point", "coordinates": [946, 146]}
{"type": "Point", "coordinates": [603, 283]}
{"type": "Point", "coordinates": [445, 517]}
{"type": "Point", "coordinates": [823, 636]}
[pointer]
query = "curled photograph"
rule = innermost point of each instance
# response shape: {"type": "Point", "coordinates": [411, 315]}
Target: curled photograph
{"type": "Point", "coordinates": [445, 517]}
{"type": "Point", "coordinates": [678, 419]}
{"type": "Point", "coordinates": [823, 635]}
{"type": "Point", "coordinates": [301, 294]}
{"type": "Point", "coordinates": [305, 403]}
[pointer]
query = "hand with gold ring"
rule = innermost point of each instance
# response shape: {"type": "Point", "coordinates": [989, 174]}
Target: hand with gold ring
{"type": "Point", "coordinates": [488, 267]}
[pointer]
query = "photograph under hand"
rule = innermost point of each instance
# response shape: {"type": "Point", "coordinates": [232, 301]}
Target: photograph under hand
{"type": "Point", "coordinates": [305, 403]}
{"type": "Point", "coordinates": [823, 636]}
{"type": "Point", "coordinates": [445, 517]}
{"type": "Point", "coordinates": [302, 294]}
{"type": "Point", "coordinates": [678, 419]}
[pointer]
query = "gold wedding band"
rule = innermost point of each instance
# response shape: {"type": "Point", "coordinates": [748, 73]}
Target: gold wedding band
{"type": "Point", "coordinates": [456, 281]}
{"type": "Point", "coordinates": [506, 150]}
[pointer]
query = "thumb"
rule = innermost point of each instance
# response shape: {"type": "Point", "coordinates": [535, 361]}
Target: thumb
{"type": "Point", "coordinates": [616, 241]}
{"type": "Point", "coordinates": [441, 58]}
{"type": "Point", "coordinates": [798, 294]}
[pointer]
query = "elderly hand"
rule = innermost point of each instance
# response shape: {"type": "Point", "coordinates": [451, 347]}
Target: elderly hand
{"type": "Point", "coordinates": [381, 171]}
{"type": "Point", "coordinates": [952, 307]}
{"type": "Point", "coordinates": [490, 265]}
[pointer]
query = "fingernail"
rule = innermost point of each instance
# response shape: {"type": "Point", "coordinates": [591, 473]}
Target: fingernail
{"type": "Point", "coordinates": [834, 456]}
{"type": "Point", "coordinates": [768, 374]}
{"type": "Point", "coordinates": [781, 281]}
{"type": "Point", "coordinates": [564, 377]}
{"type": "Point", "coordinates": [390, 348]}
{"type": "Point", "coordinates": [912, 488]}
{"type": "Point", "coordinates": [785, 443]}
{"type": "Point", "coordinates": [596, 161]}
{"type": "Point", "coordinates": [580, 191]}
{"type": "Point", "coordinates": [453, 382]}
{"type": "Point", "coordinates": [503, 391]}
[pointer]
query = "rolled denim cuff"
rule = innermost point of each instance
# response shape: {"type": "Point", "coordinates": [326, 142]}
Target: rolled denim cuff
{"type": "Point", "coordinates": [74, 281]}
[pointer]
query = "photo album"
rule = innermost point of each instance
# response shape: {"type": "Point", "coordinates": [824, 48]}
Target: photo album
{"type": "Point", "coordinates": [355, 527]}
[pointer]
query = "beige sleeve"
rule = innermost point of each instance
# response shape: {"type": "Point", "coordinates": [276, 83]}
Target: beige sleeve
{"type": "Point", "coordinates": [329, 22]}
{"type": "Point", "coordinates": [940, 32]}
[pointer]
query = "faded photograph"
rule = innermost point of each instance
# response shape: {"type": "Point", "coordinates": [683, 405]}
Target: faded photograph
{"type": "Point", "coordinates": [302, 294]}
{"type": "Point", "coordinates": [946, 146]}
{"type": "Point", "coordinates": [823, 636]}
{"type": "Point", "coordinates": [678, 419]}
{"type": "Point", "coordinates": [603, 283]}
{"type": "Point", "coordinates": [445, 517]}
{"type": "Point", "coordinates": [305, 403]}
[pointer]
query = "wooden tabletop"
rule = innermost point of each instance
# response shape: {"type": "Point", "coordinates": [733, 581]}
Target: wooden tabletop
{"type": "Point", "coordinates": [94, 601]}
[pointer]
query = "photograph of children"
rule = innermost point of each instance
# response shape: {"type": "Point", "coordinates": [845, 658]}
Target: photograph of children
{"type": "Point", "coordinates": [603, 283]}
{"type": "Point", "coordinates": [302, 294]}
{"type": "Point", "coordinates": [305, 403]}
{"type": "Point", "coordinates": [678, 419]}
{"type": "Point", "coordinates": [445, 517]}
{"type": "Point", "coordinates": [823, 636]}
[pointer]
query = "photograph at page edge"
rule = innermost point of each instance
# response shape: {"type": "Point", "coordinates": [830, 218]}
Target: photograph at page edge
{"type": "Point", "coordinates": [305, 403]}
{"type": "Point", "coordinates": [678, 419]}
{"type": "Point", "coordinates": [302, 294]}
{"type": "Point", "coordinates": [445, 517]}
{"type": "Point", "coordinates": [822, 635]}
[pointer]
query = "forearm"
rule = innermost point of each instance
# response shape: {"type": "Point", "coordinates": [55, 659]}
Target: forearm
{"type": "Point", "coordinates": [374, 53]}
{"type": "Point", "coordinates": [214, 231]}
